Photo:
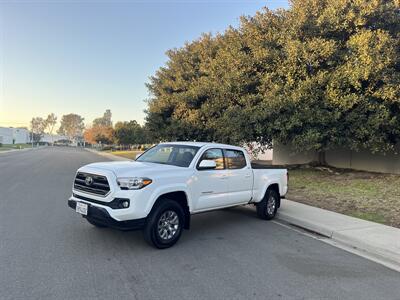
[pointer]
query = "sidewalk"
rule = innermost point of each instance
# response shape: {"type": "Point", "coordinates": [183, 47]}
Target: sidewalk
{"type": "Point", "coordinates": [376, 240]}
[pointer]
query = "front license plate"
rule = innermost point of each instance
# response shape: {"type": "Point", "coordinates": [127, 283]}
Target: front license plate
{"type": "Point", "coordinates": [81, 208]}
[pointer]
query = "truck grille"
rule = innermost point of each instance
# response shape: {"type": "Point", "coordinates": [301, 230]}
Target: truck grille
{"type": "Point", "coordinates": [91, 183]}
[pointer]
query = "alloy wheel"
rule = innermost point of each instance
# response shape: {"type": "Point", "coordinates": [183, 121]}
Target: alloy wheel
{"type": "Point", "coordinates": [271, 204]}
{"type": "Point", "coordinates": [168, 225]}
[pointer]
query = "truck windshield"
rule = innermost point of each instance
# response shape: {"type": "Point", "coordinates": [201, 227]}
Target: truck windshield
{"type": "Point", "coordinates": [175, 155]}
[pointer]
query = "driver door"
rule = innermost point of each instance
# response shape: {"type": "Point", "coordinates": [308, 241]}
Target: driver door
{"type": "Point", "coordinates": [210, 187]}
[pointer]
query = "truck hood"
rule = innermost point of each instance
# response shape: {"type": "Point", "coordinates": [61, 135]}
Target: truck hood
{"type": "Point", "coordinates": [131, 168]}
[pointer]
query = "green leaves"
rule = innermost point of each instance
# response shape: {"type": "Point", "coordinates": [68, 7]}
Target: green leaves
{"type": "Point", "coordinates": [319, 75]}
{"type": "Point", "coordinates": [129, 133]}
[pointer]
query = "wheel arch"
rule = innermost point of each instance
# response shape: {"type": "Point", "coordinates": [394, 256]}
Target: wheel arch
{"type": "Point", "coordinates": [274, 187]}
{"type": "Point", "coordinates": [180, 197]}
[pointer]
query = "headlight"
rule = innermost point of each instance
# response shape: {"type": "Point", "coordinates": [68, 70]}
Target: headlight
{"type": "Point", "coordinates": [133, 183]}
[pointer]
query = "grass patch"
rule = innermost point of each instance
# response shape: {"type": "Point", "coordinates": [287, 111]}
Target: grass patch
{"type": "Point", "coordinates": [131, 154]}
{"type": "Point", "coordinates": [370, 196]}
{"type": "Point", "coordinates": [6, 147]}
{"type": "Point", "coordinates": [373, 217]}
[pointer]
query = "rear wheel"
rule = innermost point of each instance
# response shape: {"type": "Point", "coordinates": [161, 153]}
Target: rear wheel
{"type": "Point", "coordinates": [95, 223]}
{"type": "Point", "coordinates": [164, 224]}
{"type": "Point", "coordinates": [267, 208]}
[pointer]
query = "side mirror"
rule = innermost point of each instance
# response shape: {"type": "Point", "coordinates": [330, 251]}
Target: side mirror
{"type": "Point", "coordinates": [138, 155]}
{"type": "Point", "coordinates": [207, 165]}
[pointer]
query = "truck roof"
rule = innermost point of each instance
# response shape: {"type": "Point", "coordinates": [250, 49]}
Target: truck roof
{"type": "Point", "coordinates": [201, 144]}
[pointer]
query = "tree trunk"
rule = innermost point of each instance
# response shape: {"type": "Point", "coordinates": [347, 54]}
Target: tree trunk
{"type": "Point", "coordinates": [321, 158]}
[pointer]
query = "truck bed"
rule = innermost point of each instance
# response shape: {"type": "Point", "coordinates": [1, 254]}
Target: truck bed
{"type": "Point", "coordinates": [261, 165]}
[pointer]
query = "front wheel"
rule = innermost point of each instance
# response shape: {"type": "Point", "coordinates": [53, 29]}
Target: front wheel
{"type": "Point", "coordinates": [267, 207]}
{"type": "Point", "coordinates": [164, 224]}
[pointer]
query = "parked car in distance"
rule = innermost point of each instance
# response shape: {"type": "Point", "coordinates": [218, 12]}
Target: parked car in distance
{"type": "Point", "coordinates": [164, 186]}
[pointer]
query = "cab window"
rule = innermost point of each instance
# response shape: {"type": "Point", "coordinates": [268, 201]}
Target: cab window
{"type": "Point", "coordinates": [215, 155]}
{"type": "Point", "coordinates": [235, 159]}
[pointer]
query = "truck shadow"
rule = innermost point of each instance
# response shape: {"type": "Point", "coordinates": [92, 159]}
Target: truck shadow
{"type": "Point", "coordinates": [215, 225]}
{"type": "Point", "coordinates": [220, 225]}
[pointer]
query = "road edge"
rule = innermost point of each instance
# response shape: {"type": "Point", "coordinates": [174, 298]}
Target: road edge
{"type": "Point", "coordinates": [350, 238]}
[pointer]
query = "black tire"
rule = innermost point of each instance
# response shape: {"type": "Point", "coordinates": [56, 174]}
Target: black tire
{"type": "Point", "coordinates": [267, 208]}
{"type": "Point", "coordinates": [164, 224]}
{"type": "Point", "coordinates": [95, 223]}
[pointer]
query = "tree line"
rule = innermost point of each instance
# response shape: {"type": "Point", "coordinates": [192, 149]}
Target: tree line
{"type": "Point", "coordinates": [71, 126]}
{"type": "Point", "coordinates": [319, 75]}
{"type": "Point", "coordinates": [101, 131]}
{"type": "Point", "coordinates": [40, 125]}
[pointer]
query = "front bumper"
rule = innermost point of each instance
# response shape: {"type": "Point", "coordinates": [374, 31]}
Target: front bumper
{"type": "Point", "coordinates": [101, 216]}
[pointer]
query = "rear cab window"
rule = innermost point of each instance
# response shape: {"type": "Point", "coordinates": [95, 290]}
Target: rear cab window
{"type": "Point", "coordinates": [235, 159]}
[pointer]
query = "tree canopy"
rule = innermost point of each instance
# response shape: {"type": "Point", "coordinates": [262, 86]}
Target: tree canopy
{"type": "Point", "coordinates": [319, 75]}
{"type": "Point", "coordinates": [38, 125]}
{"type": "Point", "coordinates": [101, 132]}
{"type": "Point", "coordinates": [71, 126]}
{"type": "Point", "coordinates": [105, 120]}
{"type": "Point", "coordinates": [130, 133]}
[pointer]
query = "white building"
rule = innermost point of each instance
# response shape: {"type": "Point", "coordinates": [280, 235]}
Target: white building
{"type": "Point", "coordinates": [10, 135]}
{"type": "Point", "coordinates": [47, 138]}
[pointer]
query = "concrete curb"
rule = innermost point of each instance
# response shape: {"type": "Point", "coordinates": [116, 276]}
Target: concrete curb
{"type": "Point", "coordinates": [108, 155]}
{"type": "Point", "coordinates": [374, 248]}
{"type": "Point", "coordinates": [306, 224]}
{"type": "Point", "coordinates": [379, 242]}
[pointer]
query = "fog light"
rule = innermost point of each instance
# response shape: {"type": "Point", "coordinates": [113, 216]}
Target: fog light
{"type": "Point", "coordinates": [125, 204]}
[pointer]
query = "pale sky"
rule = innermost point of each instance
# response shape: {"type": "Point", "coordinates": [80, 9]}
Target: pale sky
{"type": "Point", "coordinates": [88, 56]}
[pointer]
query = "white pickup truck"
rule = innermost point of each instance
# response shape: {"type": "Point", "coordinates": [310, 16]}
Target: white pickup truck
{"type": "Point", "coordinates": [164, 186]}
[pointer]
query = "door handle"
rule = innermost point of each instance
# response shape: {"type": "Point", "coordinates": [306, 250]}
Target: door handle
{"type": "Point", "coordinates": [247, 176]}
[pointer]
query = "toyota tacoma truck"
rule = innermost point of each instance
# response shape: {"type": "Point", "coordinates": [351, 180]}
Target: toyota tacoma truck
{"type": "Point", "coordinates": [164, 186]}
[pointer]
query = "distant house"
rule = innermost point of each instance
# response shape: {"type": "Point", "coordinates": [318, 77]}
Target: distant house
{"type": "Point", "coordinates": [48, 138]}
{"type": "Point", "coordinates": [10, 135]}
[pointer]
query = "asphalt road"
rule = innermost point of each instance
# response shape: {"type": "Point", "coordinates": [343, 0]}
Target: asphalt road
{"type": "Point", "coordinates": [48, 251]}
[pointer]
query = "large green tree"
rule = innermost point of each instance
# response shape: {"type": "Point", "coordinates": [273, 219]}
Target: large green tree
{"type": "Point", "coordinates": [178, 93]}
{"type": "Point", "coordinates": [337, 80]}
{"type": "Point", "coordinates": [319, 75]}
{"type": "Point", "coordinates": [129, 133]}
